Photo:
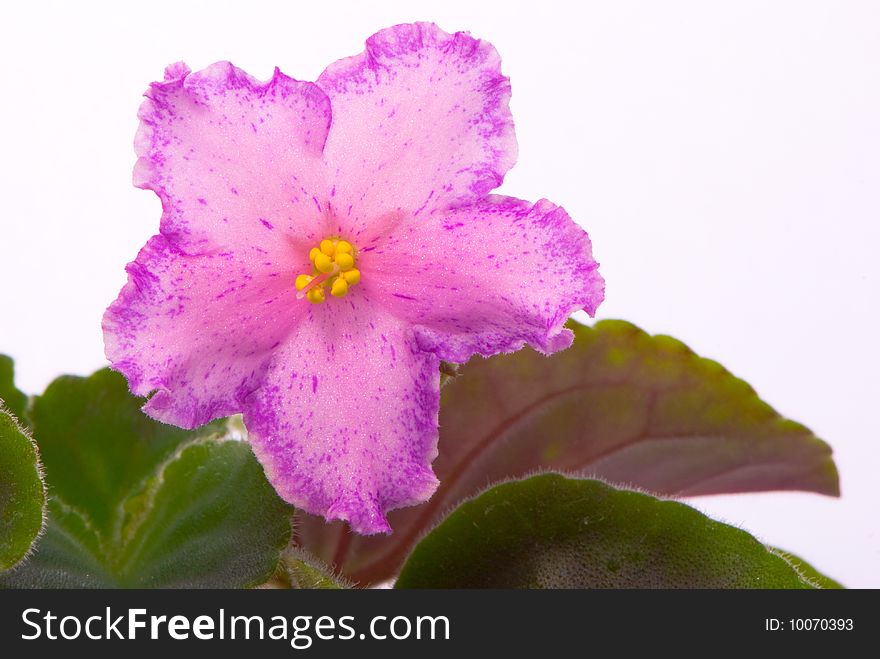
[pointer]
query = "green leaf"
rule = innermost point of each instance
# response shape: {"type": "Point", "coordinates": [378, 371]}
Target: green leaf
{"type": "Point", "coordinates": [15, 400]}
{"type": "Point", "coordinates": [448, 372]}
{"type": "Point", "coordinates": [549, 531]}
{"type": "Point", "coordinates": [299, 569]}
{"type": "Point", "coordinates": [619, 404]}
{"type": "Point", "coordinates": [22, 495]}
{"type": "Point", "coordinates": [807, 571]}
{"type": "Point", "coordinates": [137, 503]}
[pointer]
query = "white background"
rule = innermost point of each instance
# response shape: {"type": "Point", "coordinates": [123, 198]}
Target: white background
{"type": "Point", "coordinates": [725, 158]}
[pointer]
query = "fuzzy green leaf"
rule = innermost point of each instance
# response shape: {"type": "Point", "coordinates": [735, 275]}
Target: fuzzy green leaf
{"type": "Point", "coordinates": [300, 570]}
{"type": "Point", "coordinates": [22, 494]}
{"type": "Point", "coordinates": [549, 531]}
{"type": "Point", "coordinates": [137, 503]}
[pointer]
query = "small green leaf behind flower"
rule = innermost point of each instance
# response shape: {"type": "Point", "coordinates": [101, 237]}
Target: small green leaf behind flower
{"type": "Point", "coordinates": [15, 400]}
{"type": "Point", "coordinates": [300, 570]}
{"type": "Point", "coordinates": [549, 531]}
{"type": "Point", "coordinates": [137, 503]}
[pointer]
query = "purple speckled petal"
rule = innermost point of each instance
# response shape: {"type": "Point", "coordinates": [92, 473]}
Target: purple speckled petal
{"type": "Point", "coordinates": [346, 423]}
{"type": "Point", "coordinates": [234, 161]}
{"type": "Point", "coordinates": [199, 329]}
{"type": "Point", "coordinates": [486, 278]}
{"type": "Point", "coordinates": [420, 122]}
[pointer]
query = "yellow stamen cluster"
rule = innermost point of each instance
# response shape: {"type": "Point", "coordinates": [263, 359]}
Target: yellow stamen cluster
{"type": "Point", "coordinates": [333, 267]}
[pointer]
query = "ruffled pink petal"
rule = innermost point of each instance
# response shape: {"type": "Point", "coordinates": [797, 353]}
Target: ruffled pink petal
{"type": "Point", "coordinates": [234, 161]}
{"type": "Point", "coordinates": [346, 422]}
{"type": "Point", "coordinates": [199, 329]}
{"type": "Point", "coordinates": [487, 278]}
{"type": "Point", "coordinates": [420, 122]}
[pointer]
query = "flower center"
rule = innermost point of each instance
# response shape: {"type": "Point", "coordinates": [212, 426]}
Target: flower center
{"type": "Point", "coordinates": [332, 267]}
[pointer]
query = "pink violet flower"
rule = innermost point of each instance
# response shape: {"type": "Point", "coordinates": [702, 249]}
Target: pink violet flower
{"type": "Point", "coordinates": [323, 246]}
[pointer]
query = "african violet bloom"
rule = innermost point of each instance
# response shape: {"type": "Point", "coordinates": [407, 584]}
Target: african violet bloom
{"type": "Point", "coordinates": [323, 246]}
